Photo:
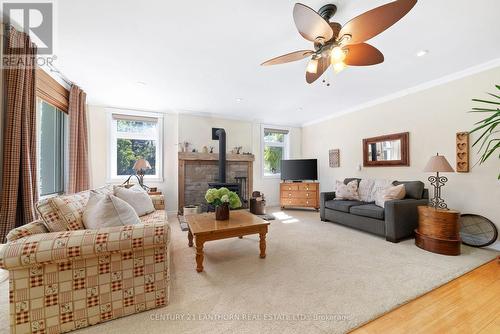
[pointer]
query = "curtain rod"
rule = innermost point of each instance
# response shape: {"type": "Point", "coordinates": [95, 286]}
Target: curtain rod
{"type": "Point", "coordinates": [54, 69]}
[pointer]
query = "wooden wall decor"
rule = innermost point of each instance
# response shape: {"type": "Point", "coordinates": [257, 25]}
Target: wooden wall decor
{"type": "Point", "coordinates": [462, 152]}
{"type": "Point", "coordinates": [334, 156]}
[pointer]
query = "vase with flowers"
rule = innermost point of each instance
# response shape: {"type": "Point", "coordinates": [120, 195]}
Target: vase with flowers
{"type": "Point", "coordinates": [222, 199]}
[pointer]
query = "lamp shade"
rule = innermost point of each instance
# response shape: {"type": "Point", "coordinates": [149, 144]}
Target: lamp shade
{"type": "Point", "coordinates": [438, 163]}
{"type": "Point", "coordinates": [141, 164]}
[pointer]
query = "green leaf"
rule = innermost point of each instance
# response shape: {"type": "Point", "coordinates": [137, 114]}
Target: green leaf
{"type": "Point", "coordinates": [485, 101]}
{"type": "Point", "coordinates": [484, 110]}
{"type": "Point", "coordinates": [498, 97]}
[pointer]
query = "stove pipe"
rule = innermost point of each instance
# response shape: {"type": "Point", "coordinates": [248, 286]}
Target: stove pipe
{"type": "Point", "coordinates": [221, 133]}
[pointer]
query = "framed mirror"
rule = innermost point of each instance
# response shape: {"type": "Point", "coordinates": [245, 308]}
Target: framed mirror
{"type": "Point", "coordinates": [389, 150]}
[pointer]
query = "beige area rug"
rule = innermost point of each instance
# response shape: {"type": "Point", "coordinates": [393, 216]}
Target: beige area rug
{"type": "Point", "coordinates": [317, 278]}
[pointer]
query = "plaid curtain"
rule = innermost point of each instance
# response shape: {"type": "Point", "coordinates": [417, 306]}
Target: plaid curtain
{"type": "Point", "coordinates": [78, 141]}
{"type": "Point", "coordinates": [19, 181]}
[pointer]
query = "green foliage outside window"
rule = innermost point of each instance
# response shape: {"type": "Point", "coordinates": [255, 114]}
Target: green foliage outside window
{"type": "Point", "coordinates": [130, 150]}
{"type": "Point", "coordinates": [272, 159]}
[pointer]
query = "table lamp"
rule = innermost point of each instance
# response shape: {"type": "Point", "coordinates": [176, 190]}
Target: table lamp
{"type": "Point", "coordinates": [140, 168]}
{"type": "Point", "coordinates": [438, 164]}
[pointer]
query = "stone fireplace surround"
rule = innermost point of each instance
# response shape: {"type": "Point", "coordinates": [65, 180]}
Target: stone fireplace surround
{"type": "Point", "coordinates": [196, 170]}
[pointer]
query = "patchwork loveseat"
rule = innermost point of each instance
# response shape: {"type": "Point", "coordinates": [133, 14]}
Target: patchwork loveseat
{"type": "Point", "coordinates": [397, 220]}
{"type": "Point", "coordinates": [63, 277]}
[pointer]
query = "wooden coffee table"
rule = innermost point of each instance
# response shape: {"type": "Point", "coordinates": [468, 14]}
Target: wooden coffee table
{"type": "Point", "coordinates": [203, 227]}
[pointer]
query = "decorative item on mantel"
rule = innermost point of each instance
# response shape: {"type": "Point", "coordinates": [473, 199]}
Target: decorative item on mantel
{"type": "Point", "coordinates": [140, 167]}
{"type": "Point", "coordinates": [462, 152]}
{"type": "Point", "coordinates": [184, 146]}
{"type": "Point", "coordinates": [438, 164]}
{"type": "Point", "coordinates": [334, 156]}
{"type": "Point", "coordinates": [223, 199]}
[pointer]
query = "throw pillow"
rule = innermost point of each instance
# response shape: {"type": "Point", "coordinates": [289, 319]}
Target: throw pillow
{"type": "Point", "coordinates": [68, 209]}
{"type": "Point", "coordinates": [347, 191]}
{"type": "Point", "coordinates": [389, 194]}
{"type": "Point", "coordinates": [414, 189]}
{"type": "Point", "coordinates": [108, 210]}
{"type": "Point", "coordinates": [379, 185]}
{"type": "Point", "coordinates": [365, 189]}
{"type": "Point", "coordinates": [137, 197]}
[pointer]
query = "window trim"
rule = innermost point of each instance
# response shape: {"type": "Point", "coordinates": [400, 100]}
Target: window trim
{"type": "Point", "coordinates": [285, 145]}
{"type": "Point", "coordinates": [111, 138]}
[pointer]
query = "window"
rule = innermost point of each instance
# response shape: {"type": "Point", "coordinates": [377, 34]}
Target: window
{"type": "Point", "coordinates": [275, 149]}
{"type": "Point", "coordinates": [51, 139]}
{"type": "Point", "coordinates": [134, 136]}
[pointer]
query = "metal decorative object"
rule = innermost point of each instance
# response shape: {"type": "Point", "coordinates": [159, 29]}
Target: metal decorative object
{"type": "Point", "coordinates": [437, 164]}
{"type": "Point", "coordinates": [437, 182]}
{"type": "Point", "coordinates": [477, 231]}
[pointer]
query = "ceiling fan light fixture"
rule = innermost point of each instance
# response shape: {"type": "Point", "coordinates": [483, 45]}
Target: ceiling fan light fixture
{"type": "Point", "coordinates": [337, 55]}
{"type": "Point", "coordinates": [338, 67]}
{"type": "Point", "coordinates": [312, 67]}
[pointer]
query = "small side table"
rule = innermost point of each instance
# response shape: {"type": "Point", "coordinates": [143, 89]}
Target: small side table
{"type": "Point", "coordinates": [438, 231]}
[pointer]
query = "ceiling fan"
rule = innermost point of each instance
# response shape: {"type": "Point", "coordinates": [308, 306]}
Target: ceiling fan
{"type": "Point", "coordinates": [339, 45]}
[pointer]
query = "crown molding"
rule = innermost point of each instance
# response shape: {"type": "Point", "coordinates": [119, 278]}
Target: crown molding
{"type": "Point", "coordinates": [412, 90]}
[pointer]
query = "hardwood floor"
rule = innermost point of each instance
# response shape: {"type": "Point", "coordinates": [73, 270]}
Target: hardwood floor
{"type": "Point", "coordinates": [468, 304]}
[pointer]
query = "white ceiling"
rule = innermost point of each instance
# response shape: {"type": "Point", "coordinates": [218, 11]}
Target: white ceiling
{"type": "Point", "coordinates": [200, 56]}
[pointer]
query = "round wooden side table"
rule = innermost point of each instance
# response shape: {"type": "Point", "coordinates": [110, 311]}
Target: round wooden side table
{"type": "Point", "coordinates": [438, 230]}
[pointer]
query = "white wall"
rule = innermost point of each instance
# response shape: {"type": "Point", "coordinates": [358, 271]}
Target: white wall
{"type": "Point", "coordinates": [197, 130]}
{"type": "Point", "coordinates": [432, 117]}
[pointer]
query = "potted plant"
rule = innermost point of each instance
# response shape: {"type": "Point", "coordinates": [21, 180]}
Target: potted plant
{"type": "Point", "coordinates": [222, 199]}
{"type": "Point", "coordinates": [489, 139]}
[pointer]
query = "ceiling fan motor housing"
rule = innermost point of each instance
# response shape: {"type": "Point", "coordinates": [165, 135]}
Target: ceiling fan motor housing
{"type": "Point", "coordinates": [327, 12]}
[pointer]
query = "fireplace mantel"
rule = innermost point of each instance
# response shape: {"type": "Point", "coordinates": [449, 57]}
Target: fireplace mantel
{"type": "Point", "coordinates": [197, 156]}
{"type": "Point", "coordinates": [208, 163]}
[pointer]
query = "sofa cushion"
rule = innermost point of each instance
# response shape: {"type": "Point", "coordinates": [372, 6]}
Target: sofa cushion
{"type": "Point", "coordinates": [346, 192]}
{"type": "Point", "coordinates": [365, 189]}
{"type": "Point", "coordinates": [368, 210]}
{"type": "Point", "coordinates": [137, 197]}
{"type": "Point", "coordinates": [35, 227]}
{"type": "Point", "coordinates": [414, 189]}
{"type": "Point", "coordinates": [154, 217]}
{"type": "Point", "coordinates": [341, 205]}
{"type": "Point", "coordinates": [108, 211]}
{"type": "Point", "coordinates": [379, 185]}
{"type": "Point", "coordinates": [63, 213]}
{"type": "Point", "coordinates": [350, 179]}
{"type": "Point", "coordinates": [390, 194]}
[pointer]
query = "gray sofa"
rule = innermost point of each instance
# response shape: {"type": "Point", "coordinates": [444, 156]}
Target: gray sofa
{"type": "Point", "coordinates": [396, 221]}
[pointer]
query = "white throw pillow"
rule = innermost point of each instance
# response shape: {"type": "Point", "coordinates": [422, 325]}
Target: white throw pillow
{"type": "Point", "coordinates": [347, 191]}
{"type": "Point", "coordinates": [379, 185]}
{"type": "Point", "coordinates": [365, 189]}
{"type": "Point", "coordinates": [391, 193]}
{"type": "Point", "coordinates": [106, 211]}
{"type": "Point", "coordinates": [137, 197]}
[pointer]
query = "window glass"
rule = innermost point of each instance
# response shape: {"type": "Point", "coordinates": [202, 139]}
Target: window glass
{"type": "Point", "coordinates": [275, 150]}
{"type": "Point", "coordinates": [51, 133]}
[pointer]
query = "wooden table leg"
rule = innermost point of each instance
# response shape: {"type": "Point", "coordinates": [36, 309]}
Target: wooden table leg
{"type": "Point", "coordinates": [262, 244]}
{"type": "Point", "coordinates": [190, 238]}
{"type": "Point", "coordinates": [199, 255]}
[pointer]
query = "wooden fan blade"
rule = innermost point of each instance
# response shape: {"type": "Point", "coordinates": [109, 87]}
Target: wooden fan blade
{"type": "Point", "coordinates": [323, 64]}
{"type": "Point", "coordinates": [289, 57]}
{"type": "Point", "coordinates": [310, 24]}
{"type": "Point", "coordinates": [362, 55]}
{"type": "Point", "coordinates": [373, 22]}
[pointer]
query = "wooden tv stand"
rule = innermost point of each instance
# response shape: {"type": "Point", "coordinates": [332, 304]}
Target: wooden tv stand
{"type": "Point", "coordinates": [299, 194]}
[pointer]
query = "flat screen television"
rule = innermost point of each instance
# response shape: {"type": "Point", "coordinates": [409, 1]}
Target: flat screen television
{"type": "Point", "coordinates": [299, 170]}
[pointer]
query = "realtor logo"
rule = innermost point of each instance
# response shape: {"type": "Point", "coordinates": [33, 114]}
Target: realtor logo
{"type": "Point", "coordinates": [35, 19]}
